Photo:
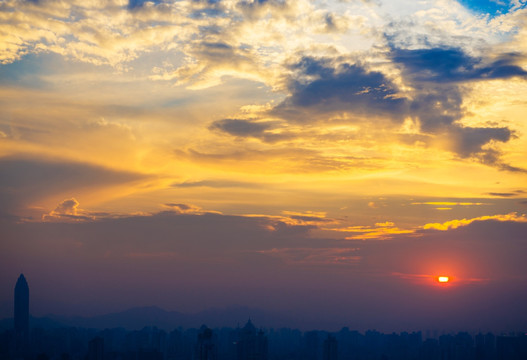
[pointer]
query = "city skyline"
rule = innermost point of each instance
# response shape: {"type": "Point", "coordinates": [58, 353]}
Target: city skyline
{"type": "Point", "coordinates": [47, 339]}
{"type": "Point", "coordinates": [348, 162]}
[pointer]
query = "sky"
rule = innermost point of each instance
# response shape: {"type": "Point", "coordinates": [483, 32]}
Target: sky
{"type": "Point", "coordinates": [326, 159]}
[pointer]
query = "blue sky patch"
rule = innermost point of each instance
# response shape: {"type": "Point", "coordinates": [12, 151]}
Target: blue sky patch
{"type": "Point", "coordinates": [491, 7]}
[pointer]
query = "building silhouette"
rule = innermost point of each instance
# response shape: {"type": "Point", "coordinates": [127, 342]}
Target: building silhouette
{"type": "Point", "coordinates": [251, 344]}
{"type": "Point", "coordinates": [96, 349]}
{"type": "Point", "coordinates": [311, 345]}
{"type": "Point", "coordinates": [330, 348]}
{"type": "Point", "coordinates": [205, 348]}
{"type": "Point", "coordinates": [21, 316]}
{"type": "Point", "coordinates": [511, 347]}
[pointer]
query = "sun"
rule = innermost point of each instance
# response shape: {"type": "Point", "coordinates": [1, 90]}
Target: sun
{"type": "Point", "coordinates": [443, 279]}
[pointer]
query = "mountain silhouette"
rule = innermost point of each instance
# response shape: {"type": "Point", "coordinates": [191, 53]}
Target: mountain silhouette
{"type": "Point", "coordinates": [139, 317]}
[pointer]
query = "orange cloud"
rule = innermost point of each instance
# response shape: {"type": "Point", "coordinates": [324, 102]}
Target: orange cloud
{"type": "Point", "coordinates": [68, 210]}
{"type": "Point", "coordinates": [448, 203]}
{"type": "Point", "coordinates": [454, 224]}
{"type": "Point", "coordinates": [188, 209]}
{"type": "Point", "coordinates": [381, 230]}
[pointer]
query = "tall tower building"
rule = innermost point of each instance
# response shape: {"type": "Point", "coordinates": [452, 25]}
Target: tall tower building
{"type": "Point", "coordinates": [21, 315]}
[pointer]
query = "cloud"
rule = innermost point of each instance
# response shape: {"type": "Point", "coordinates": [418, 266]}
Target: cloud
{"type": "Point", "coordinates": [449, 203]}
{"type": "Point", "coordinates": [310, 218]}
{"type": "Point", "coordinates": [187, 209]}
{"type": "Point", "coordinates": [315, 257]}
{"type": "Point", "coordinates": [239, 127]}
{"type": "Point", "coordinates": [434, 74]}
{"type": "Point", "coordinates": [452, 65]}
{"type": "Point", "coordinates": [322, 86]}
{"type": "Point", "coordinates": [254, 9]}
{"type": "Point", "coordinates": [26, 180]}
{"type": "Point", "coordinates": [267, 131]}
{"type": "Point", "coordinates": [293, 159]}
{"type": "Point", "coordinates": [132, 4]}
{"type": "Point", "coordinates": [74, 30]}
{"type": "Point", "coordinates": [380, 231]}
{"type": "Point", "coordinates": [209, 60]}
{"type": "Point", "coordinates": [216, 184]}
{"type": "Point", "coordinates": [67, 207]}
{"type": "Point", "coordinates": [454, 224]}
{"type": "Point", "coordinates": [469, 140]}
{"type": "Point", "coordinates": [68, 210]}
{"type": "Point", "coordinates": [373, 205]}
{"type": "Point", "coordinates": [334, 23]}
{"type": "Point", "coordinates": [507, 194]}
{"type": "Point", "coordinates": [497, 194]}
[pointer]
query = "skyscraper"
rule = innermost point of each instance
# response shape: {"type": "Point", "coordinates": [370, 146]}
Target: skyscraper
{"type": "Point", "coordinates": [252, 344]}
{"type": "Point", "coordinates": [21, 315]}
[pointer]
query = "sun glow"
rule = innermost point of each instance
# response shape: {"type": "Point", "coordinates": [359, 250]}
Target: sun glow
{"type": "Point", "coordinates": [443, 279]}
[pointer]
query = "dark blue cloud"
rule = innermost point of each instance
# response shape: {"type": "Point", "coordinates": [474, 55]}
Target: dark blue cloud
{"type": "Point", "coordinates": [240, 127]}
{"type": "Point", "coordinates": [443, 65]}
{"type": "Point", "coordinates": [132, 4]}
{"type": "Point", "coordinates": [503, 68]}
{"type": "Point", "coordinates": [437, 107]}
{"type": "Point", "coordinates": [252, 8]}
{"type": "Point", "coordinates": [211, 8]}
{"type": "Point", "coordinates": [216, 46]}
{"type": "Point", "coordinates": [249, 128]}
{"type": "Point", "coordinates": [436, 75]}
{"type": "Point", "coordinates": [207, 13]}
{"type": "Point", "coordinates": [471, 139]}
{"type": "Point", "coordinates": [314, 66]}
{"type": "Point", "coordinates": [255, 3]}
{"type": "Point", "coordinates": [322, 88]}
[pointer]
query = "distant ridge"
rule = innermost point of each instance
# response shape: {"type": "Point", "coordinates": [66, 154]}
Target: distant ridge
{"type": "Point", "coordinates": [131, 319]}
{"type": "Point", "coordinates": [139, 317]}
{"type": "Point", "coordinates": [34, 322]}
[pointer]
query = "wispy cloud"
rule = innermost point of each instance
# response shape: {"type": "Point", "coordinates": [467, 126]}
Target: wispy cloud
{"type": "Point", "coordinates": [315, 257]}
{"type": "Point", "coordinates": [380, 231]}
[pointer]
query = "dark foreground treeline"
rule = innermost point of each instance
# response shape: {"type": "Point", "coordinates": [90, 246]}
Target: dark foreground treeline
{"type": "Point", "coordinates": [248, 343]}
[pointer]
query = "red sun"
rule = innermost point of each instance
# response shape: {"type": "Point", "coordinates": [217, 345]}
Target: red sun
{"type": "Point", "coordinates": [443, 279]}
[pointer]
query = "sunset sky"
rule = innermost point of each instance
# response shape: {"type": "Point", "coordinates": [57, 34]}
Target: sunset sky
{"type": "Point", "coordinates": [328, 159]}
